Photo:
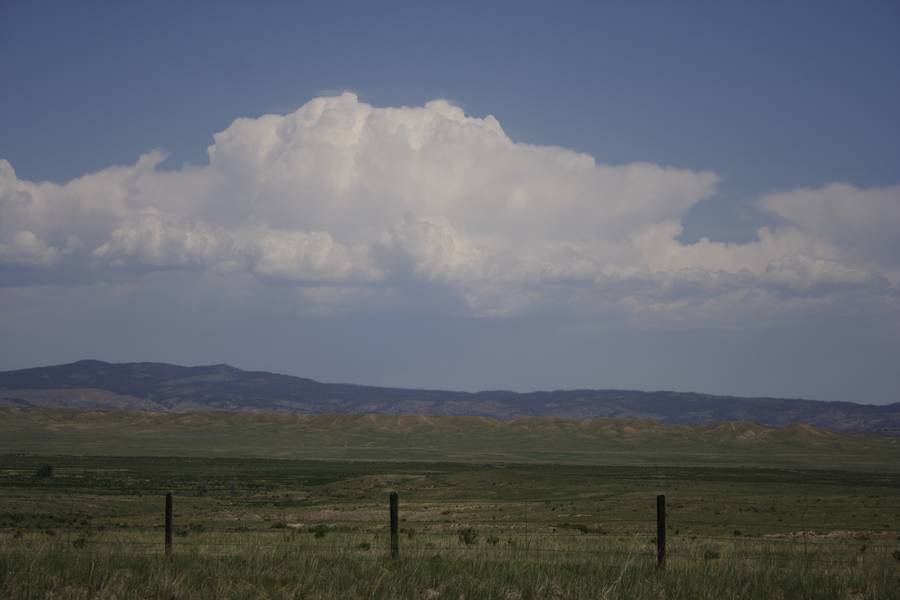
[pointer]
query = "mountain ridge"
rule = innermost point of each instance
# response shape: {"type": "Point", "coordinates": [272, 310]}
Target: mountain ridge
{"type": "Point", "coordinates": [163, 387]}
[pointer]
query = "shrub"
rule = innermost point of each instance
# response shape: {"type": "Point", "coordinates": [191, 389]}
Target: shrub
{"type": "Point", "coordinates": [468, 536]}
{"type": "Point", "coordinates": [493, 540]}
{"type": "Point", "coordinates": [44, 472]}
{"type": "Point", "coordinates": [189, 529]}
{"type": "Point", "coordinates": [581, 528]}
{"type": "Point", "coordinates": [710, 554]}
{"type": "Point", "coordinates": [319, 530]}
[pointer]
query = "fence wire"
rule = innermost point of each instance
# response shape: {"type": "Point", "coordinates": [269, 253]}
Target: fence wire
{"type": "Point", "coordinates": [539, 545]}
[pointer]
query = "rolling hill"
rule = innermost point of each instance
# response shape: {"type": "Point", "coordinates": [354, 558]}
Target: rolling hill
{"type": "Point", "coordinates": [419, 438]}
{"type": "Point", "coordinates": [159, 387]}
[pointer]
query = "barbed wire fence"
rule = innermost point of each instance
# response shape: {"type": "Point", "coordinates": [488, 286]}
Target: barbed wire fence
{"type": "Point", "coordinates": [484, 539]}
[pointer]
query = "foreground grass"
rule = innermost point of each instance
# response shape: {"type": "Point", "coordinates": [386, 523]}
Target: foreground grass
{"type": "Point", "coordinates": [254, 528]}
{"type": "Point", "coordinates": [55, 570]}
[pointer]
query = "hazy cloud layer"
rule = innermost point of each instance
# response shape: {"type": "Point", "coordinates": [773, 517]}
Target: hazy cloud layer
{"type": "Point", "coordinates": [353, 205]}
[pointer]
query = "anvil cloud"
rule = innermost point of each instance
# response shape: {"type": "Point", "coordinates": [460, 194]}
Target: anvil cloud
{"type": "Point", "coordinates": [348, 202]}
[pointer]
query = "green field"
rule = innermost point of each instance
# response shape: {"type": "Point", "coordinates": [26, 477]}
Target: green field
{"type": "Point", "coordinates": [437, 439]}
{"type": "Point", "coordinates": [544, 510]}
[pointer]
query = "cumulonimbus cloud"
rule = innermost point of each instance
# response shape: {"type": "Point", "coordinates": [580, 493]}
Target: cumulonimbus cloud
{"type": "Point", "coordinates": [340, 196]}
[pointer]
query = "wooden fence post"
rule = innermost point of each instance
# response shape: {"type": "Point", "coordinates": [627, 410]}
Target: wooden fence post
{"type": "Point", "coordinates": [660, 531]}
{"type": "Point", "coordinates": [395, 537]}
{"type": "Point", "coordinates": [169, 523]}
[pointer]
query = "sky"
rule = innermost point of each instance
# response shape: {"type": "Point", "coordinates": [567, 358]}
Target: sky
{"type": "Point", "coordinates": [693, 196]}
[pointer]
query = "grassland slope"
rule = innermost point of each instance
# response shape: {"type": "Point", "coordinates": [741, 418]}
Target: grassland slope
{"type": "Point", "coordinates": [428, 438]}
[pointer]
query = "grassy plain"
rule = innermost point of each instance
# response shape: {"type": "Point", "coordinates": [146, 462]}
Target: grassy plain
{"type": "Point", "coordinates": [514, 524]}
{"type": "Point", "coordinates": [437, 439]}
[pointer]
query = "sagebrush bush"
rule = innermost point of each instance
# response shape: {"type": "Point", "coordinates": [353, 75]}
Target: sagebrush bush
{"type": "Point", "coordinates": [468, 536]}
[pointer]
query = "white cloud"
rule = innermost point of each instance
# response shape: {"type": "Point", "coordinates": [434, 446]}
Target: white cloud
{"type": "Point", "coordinates": [344, 199]}
{"type": "Point", "coordinates": [24, 248]}
{"type": "Point", "coordinates": [862, 225]}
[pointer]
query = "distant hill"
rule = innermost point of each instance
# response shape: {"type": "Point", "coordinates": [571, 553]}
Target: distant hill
{"type": "Point", "coordinates": [411, 438]}
{"type": "Point", "coordinates": [160, 387]}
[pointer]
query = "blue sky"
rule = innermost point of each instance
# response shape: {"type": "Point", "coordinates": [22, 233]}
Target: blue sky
{"type": "Point", "coordinates": [770, 98]}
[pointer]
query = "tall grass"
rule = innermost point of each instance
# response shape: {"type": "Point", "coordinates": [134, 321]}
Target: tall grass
{"type": "Point", "coordinates": [355, 566]}
{"type": "Point", "coordinates": [302, 529]}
